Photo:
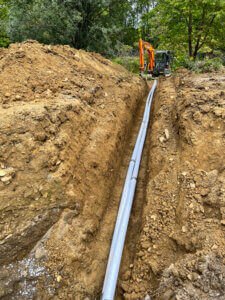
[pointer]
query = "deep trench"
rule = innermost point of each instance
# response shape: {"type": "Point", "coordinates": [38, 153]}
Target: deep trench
{"type": "Point", "coordinates": [135, 223]}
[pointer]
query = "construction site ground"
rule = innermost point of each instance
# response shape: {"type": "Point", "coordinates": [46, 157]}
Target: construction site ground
{"type": "Point", "coordinates": [68, 124]}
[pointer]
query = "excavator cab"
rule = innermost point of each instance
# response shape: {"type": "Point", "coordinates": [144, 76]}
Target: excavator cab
{"type": "Point", "coordinates": [163, 60]}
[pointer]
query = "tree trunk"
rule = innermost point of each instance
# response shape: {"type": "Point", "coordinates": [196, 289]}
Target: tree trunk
{"type": "Point", "coordinates": [199, 44]}
{"type": "Point", "coordinates": [196, 49]}
{"type": "Point", "coordinates": [190, 20]}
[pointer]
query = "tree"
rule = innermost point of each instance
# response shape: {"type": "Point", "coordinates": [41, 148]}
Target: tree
{"type": "Point", "coordinates": [4, 39]}
{"type": "Point", "coordinates": [46, 21]}
{"type": "Point", "coordinates": [187, 24]}
{"type": "Point", "coordinates": [92, 25]}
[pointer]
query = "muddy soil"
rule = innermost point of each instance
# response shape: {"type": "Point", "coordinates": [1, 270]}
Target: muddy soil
{"type": "Point", "coordinates": [64, 115]}
{"type": "Point", "coordinates": [180, 253]}
{"type": "Point", "coordinates": [69, 120]}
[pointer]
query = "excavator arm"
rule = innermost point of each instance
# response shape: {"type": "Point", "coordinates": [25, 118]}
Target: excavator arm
{"type": "Point", "coordinates": [151, 56]}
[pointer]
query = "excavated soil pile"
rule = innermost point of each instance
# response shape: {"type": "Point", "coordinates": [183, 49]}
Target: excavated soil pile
{"type": "Point", "coordinates": [64, 116]}
{"type": "Point", "coordinates": [180, 253]}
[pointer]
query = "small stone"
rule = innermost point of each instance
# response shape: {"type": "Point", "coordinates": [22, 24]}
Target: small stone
{"type": "Point", "coordinates": [161, 139]}
{"type": "Point", "coordinates": [184, 229]}
{"type": "Point", "coordinates": [191, 205]}
{"type": "Point", "coordinates": [147, 297]}
{"type": "Point", "coordinates": [3, 173]}
{"type": "Point", "coordinates": [145, 229]}
{"type": "Point", "coordinates": [204, 192]}
{"type": "Point", "coordinates": [214, 247]}
{"type": "Point", "coordinates": [131, 266]}
{"type": "Point", "coordinates": [7, 95]}
{"type": "Point", "coordinates": [202, 209]}
{"type": "Point", "coordinates": [40, 253]}
{"type": "Point", "coordinates": [58, 278]}
{"type": "Point", "coordinates": [18, 97]}
{"type": "Point", "coordinates": [6, 179]}
{"type": "Point", "coordinates": [145, 245]}
{"type": "Point", "coordinates": [192, 185]}
{"type": "Point", "coordinates": [222, 222]}
{"type": "Point", "coordinates": [7, 171]}
{"type": "Point", "coordinates": [45, 195]}
{"type": "Point", "coordinates": [167, 134]}
{"type": "Point", "coordinates": [189, 277]}
{"type": "Point", "coordinates": [153, 217]}
{"type": "Point", "coordinates": [184, 173]}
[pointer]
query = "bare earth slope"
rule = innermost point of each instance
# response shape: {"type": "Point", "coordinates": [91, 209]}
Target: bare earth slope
{"type": "Point", "coordinates": [64, 115]}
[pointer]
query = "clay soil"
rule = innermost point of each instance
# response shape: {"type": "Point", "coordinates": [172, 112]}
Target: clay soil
{"type": "Point", "coordinates": [69, 120]}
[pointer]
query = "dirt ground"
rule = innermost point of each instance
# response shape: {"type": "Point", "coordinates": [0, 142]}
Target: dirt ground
{"type": "Point", "coordinates": [181, 249]}
{"type": "Point", "coordinates": [69, 120]}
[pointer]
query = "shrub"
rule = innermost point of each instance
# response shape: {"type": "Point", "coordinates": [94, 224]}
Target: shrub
{"type": "Point", "coordinates": [130, 63]}
{"type": "Point", "coordinates": [203, 66]}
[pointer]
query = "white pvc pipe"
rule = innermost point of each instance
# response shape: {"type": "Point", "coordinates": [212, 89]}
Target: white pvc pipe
{"type": "Point", "coordinates": [126, 202]}
{"type": "Point", "coordinates": [129, 172]}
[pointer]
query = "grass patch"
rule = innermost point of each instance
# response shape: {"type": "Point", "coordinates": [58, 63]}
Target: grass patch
{"type": "Point", "coordinates": [128, 62]}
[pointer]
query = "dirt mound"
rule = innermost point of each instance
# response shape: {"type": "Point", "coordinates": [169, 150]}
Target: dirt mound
{"type": "Point", "coordinates": [64, 116]}
{"type": "Point", "coordinates": [181, 248]}
{"type": "Point", "coordinates": [32, 72]}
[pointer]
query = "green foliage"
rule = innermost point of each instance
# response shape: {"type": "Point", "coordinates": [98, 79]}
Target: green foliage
{"type": "Point", "coordinates": [180, 60]}
{"type": "Point", "coordinates": [203, 66]}
{"type": "Point", "coordinates": [46, 21]}
{"type": "Point", "coordinates": [92, 25]}
{"type": "Point", "coordinates": [4, 39]}
{"type": "Point", "coordinates": [186, 26]}
{"type": "Point", "coordinates": [113, 27]}
{"type": "Point", "coordinates": [128, 62]}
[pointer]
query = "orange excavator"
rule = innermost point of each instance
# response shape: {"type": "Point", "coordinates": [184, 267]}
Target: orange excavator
{"type": "Point", "coordinates": [158, 61]}
{"type": "Point", "coordinates": [151, 56]}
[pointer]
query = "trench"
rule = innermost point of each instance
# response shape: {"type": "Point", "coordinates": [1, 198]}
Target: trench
{"type": "Point", "coordinates": [135, 222]}
{"type": "Point", "coordinates": [108, 222]}
{"type": "Point", "coordinates": [136, 218]}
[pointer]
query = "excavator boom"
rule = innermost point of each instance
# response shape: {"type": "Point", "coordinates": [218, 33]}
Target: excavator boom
{"type": "Point", "coordinates": [151, 56]}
